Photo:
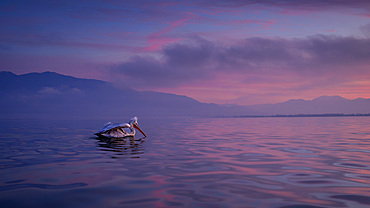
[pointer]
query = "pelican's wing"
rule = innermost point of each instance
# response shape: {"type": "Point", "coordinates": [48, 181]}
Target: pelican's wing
{"type": "Point", "coordinates": [118, 126]}
{"type": "Point", "coordinates": [109, 127]}
{"type": "Point", "coordinates": [105, 128]}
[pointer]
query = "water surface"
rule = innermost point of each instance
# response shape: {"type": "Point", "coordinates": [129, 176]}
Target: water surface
{"type": "Point", "coordinates": [187, 162]}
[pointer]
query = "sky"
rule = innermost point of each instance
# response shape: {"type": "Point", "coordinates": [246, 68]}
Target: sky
{"type": "Point", "coordinates": [227, 52]}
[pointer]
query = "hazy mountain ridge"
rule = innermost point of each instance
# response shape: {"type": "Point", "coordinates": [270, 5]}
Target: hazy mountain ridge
{"type": "Point", "coordinates": [321, 105]}
{"type": "Point", "coordinates": [52, 94]}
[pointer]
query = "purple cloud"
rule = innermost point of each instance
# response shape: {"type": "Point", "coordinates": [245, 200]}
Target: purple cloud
{"type": "Point", "coordinates": [365, 29]}
{"type": "Point", "coordinates": [182, 63]}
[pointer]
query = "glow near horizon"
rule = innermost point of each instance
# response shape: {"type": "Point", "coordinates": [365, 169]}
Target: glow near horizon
{"type": "Point", "coordinates": [240, 52]}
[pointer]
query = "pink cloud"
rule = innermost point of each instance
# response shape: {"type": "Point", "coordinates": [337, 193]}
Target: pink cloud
{"type": "Point", "coordinates": [158, 39]}
{"type": "Point", "coordinates": [172, 26]}
{"type": "Point", "coordinates": [156, 44]}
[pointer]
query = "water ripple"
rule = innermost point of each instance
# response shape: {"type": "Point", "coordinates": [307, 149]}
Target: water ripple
{"type": "Point", "coordinates": [356, 198]}
{"type": "Point", "coordinates": [266, 162]}
{"type": "Point", "coordinates": [41, 186]}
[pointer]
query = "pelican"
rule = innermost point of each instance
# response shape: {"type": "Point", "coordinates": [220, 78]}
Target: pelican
{"type": "Point", "coordinates": [117, 130]}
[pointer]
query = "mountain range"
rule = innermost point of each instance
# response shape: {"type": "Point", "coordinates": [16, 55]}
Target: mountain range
{"type": "Point", "coordinates": [320, 105]}
{"type": "Point", "coordinates": [50, 94]}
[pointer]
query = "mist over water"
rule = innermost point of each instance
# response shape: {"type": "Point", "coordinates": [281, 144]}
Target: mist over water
{"type": "Point", "coordinates": [187, 162]}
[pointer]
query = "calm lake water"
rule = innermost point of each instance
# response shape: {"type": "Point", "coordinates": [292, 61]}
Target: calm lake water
{"type": "Point", "coordinates": [187, 162]}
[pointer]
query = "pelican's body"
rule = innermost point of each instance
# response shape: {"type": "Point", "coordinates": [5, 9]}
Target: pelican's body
{"type": "Point", "coordinates": [120, 130]}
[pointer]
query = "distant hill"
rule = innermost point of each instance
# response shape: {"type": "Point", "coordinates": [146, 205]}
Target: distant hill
{"type": "Point", "coordinates": [320, 105]}
{"type": "Point", "coordinates": [51, 94]}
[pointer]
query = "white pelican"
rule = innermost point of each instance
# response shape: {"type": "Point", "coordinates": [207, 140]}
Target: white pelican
{"type": "Point", "coordinates": [117, 130]}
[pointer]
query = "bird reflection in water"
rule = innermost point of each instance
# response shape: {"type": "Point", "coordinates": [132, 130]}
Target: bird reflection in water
{"type": "Point", "coordinates": [122, 147]}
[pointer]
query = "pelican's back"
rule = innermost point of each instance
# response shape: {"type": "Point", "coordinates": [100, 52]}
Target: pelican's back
{"type": "Point", "coordinates": [109, 126]}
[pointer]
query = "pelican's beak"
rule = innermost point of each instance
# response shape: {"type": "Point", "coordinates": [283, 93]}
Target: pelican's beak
{"type": "Point", "coordinates": [138, 128]}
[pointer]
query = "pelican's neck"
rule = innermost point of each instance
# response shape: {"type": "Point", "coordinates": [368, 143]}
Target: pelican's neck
{"type": "Point", "coordinates": [132, 129]}
{"type": "Point", "coordinates": [131, 122]}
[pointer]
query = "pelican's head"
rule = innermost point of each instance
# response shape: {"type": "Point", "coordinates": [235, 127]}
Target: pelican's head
{"type": "Point", "coordinates": [133, 122]}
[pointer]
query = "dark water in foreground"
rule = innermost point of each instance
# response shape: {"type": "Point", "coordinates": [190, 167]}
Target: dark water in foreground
{"type": "Point", "coordinates": [190, 162]}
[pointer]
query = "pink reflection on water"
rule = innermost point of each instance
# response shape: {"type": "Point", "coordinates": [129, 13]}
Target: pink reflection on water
{"type": "Point", "coordinates": [306, 155]}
